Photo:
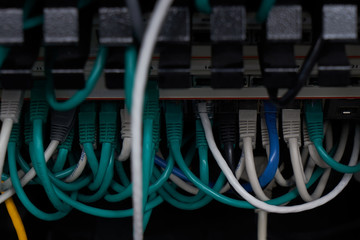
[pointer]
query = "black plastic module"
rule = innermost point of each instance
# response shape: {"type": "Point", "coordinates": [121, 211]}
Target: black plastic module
{"type": "Point", "coordinates": [174, 44]}
{"type": "Point", "coordinates": [61, 22]}
{"type": "Point", "coordinates": [338, 27]}
{"type": "Point", "coordinates": [68, 61]}
{"type": "Point", "coordinates": [283, 28]}
{"type": "Point", "coordinates": [227, 34]}
{"type": "Point", "coordinates": [11, 19]}
{"type": "Point", "coordinates": [342, 109]}
{"type": "Point", "coordinates": [16, 70]}
{"type": "Point", "coordinates": [115, 31]}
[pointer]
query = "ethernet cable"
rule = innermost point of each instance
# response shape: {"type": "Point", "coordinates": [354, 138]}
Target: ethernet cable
{"type": "Point", "coordinates": [130, 68]}
{"type": "Point", "coordinates": [173, 117]}
{"type": "Point", "coordinates": [279, 178]}
{"type": "Point", "coordinates": [145, 54]}
{"type": "Point", "coordinates": [11, 105]}
{"type": "Point", "coordinates": [303, 75]}
{"type": "Point", "coordinates": [60, 129]}
{"type": "Point", "coordinates": [291, 131]}
{"type": "Point", "coordinates": [16, 219]}
{"type": "Point", "coordinates": [314, 121]}
{"type": "Point", "coordinates": [82, 94]}
{"type": "Point", "coordinates": [247, 130]}
{"type": "Point", "coordinates": [125, 135]}
{"type": "Point", "coordinates": [17, 186]}
{"type": "Point", "coordinates": [80, 166]}
{"type": "Point", "coordinates": [324, 178]}
{"type": "Point", "coordinates": [311, 148]}
{"type": "Point", "coordinates": [273, 162]}
{"type": "Point", "coordinates": [249, 198]}
{"type": "Point", "coordinates": [264, 10]}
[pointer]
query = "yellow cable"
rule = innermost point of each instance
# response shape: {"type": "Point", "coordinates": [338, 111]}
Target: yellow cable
{"type": "Point", "coordinates": [16, 219]}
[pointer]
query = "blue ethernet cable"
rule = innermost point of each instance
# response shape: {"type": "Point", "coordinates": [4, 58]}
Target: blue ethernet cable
{"type": "Point", "coordinates": [176, 171]}
{"type": "Point", "coordinates": [273, 162]}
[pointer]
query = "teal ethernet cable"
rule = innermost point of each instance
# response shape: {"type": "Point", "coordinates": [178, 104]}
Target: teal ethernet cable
{"type": "Point", "coordinates": [105, 213]}
{"type": "Point", "coordinates": [203, 6]}
{"type": "Point", "coordinates": [107, 138]}
{"type": "Point", "coordinates": [264, 9]}
{"type": "Point", "coordinates": [174, 142]}
{"type": "Point", "coordinates": [174, 134]}
{"type": "Point", "coordinates": [38, 115]}
{"type": "Point", "coordinates": [314, 121]}
{"type": "Point", "coordinates": [63, 152]}
{"type": "Point", "coordinates": [156, 184]}
{"type": "Point", "coordinates": [171, 190]}
{"type": "Point", "coordinates": [119, 167]}
{"type": "Point", "coordinates": [21, 193]}
{"type": "Point", "coordinates": [130, 66]}
{"type": "Point", "coordinates": [104, 186]}
{"type": "Point", "coordinates": [82, 94]}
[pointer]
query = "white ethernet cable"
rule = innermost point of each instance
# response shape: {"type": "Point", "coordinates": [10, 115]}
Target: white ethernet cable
{"type": "Point", "coordinates": [79, 168]}
{"type": "Point", "coordinates": [279, 178]}
{"type": "Point", "coordinates": [125, 135]}
{"type": "Point", "coordinates": [188, 187]}
{"type": "Point", "coordinates": [247, 130]}
{"type": "Point", "coordinates": [260, 204]}
{"type": "Point", "coordinates": [11, 104]}
{"type": "Point", "coordinates": [31, 173]}
{"type": "Point", "coordinates": [142, 69]}
{"type": "Point", "coordinates": [310, 148]}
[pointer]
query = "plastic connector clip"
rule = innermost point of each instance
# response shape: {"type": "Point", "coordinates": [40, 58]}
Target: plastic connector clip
{"type": "Point", "coordinates": [108, 122]}
{"type": "Point", "coordinates": [314, 120]}
{"type": "Point", "coordinates": [125, 124]}
{"type": "Point", "coordinates": [38, 105]}
{"type": "Point", "coordinates": [174, 121]}
{"type": "Point", "coordinates": [87, 123]}
{"type": "Point", "coordinates": [200, 135]}
{"type": "Point", "coordinates": [291, 123]}
{"type": "Point", "coordinates": [11, 104]}
{"type": "Point", "coordinates": [247, 125]}
{"type": "Point", "coordinates": [61, 124]}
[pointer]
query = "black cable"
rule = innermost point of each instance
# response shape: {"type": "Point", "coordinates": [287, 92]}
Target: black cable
{"type": "Point", "coordinates": [136, 18]}
{"type": "Point", "coordinates": [303, 75]}
{"type": "Point", "coordinates": [229, 156]}
{"type": "Point", "coordinates": [227, 128]}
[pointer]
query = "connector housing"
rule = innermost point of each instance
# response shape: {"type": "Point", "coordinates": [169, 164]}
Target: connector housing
{"type": "Point", "coordinates": [291, 124]}
{"type": "Point", "coordinates": [247, 125]}
{"type": "Point", "coordinates": [11, 104]}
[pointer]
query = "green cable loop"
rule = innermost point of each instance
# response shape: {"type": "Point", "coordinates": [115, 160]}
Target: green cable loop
{"type": "Point", "coordinates": [91, 157]}
{"type": "Point", "coordinates": [119, 167]}
{"type": "Point", "coordinates": [332, 163]}
{"type": "Point", "coordinates": [60, 160]}
{"type": "Point", "coordinates": [82, 94]}
{"type": "Point", "coordinates": [39, 164]}
{"type": "Point", "coordinates": [104, 212]}
{"type": "Point", "coordinates": [21, 193]}
{"type": "Point", "coordinates": [106, 151]}
{"type": "Point", "coordinates": [157, 183]}
{"type": "Point", "coordinates": [104, 186]}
